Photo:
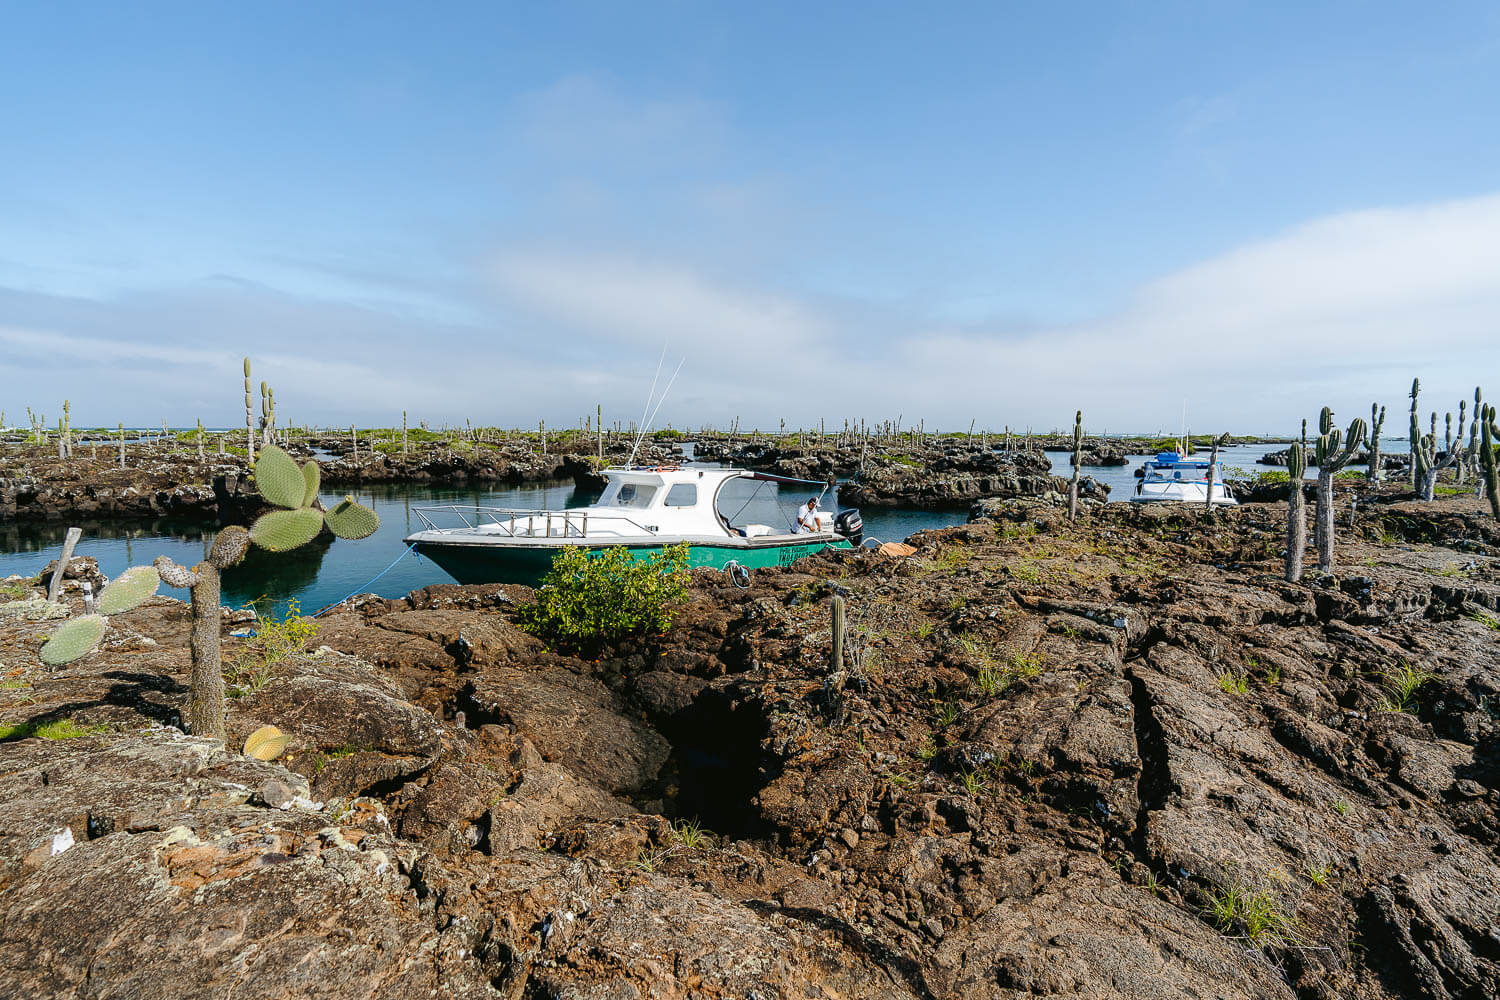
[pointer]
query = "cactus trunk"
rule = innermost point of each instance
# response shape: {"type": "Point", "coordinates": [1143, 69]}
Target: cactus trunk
{"type": "Point", "coordinates": [836, 660]}
{"type": "Point", "coordinates": [206, 696]}
{"type": "Point", "coordinates": [1296, 517]}
{"type": "Point", "coordinates": [249, 416]}
{"type": "Point", "coordinates": [1377, 421]}
{"type": "Point", "coordinates": [1077, 465]}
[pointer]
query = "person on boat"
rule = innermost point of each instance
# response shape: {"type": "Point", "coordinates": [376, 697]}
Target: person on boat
{"type": "Point", "coordinates": [807, 519]}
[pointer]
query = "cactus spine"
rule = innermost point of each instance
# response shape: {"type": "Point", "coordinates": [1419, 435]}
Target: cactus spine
{"type": "Point", "coordinates": [1296, 517]}
{"type": "Point", "coordinates": [1377, 421]}
{"type": "Point", "coordinates": [1077, 461]}
{"type": "Point", "coordinates": [249, 416]}
{"type": "Point", "coordinates": [1331, 458]}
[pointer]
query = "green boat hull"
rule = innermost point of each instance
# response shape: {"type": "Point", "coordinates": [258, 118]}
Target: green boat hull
{"type": "Point", "coordinates": [524, 564]}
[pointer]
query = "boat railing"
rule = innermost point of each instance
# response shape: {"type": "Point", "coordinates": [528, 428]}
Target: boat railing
{"type": "Point", "coordinates": [518, 523]}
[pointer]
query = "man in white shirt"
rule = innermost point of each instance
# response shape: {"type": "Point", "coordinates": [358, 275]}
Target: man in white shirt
{"type": "Point", "coordinates": [807, 519]}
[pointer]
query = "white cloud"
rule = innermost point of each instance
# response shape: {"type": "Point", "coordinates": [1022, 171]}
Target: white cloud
{"type": "Point", "coordinates": [1339, 311]}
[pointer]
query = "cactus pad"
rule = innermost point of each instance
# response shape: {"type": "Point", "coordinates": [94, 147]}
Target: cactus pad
{"type": "Point", "coordinates": [73, 639]}
{"type": "Point", "coordinates": [283, 530]}
{"type": "Point", "coordinates": [129, 590]}
{"type": "Point", "coordinates": [266, 743]}
{"type": "Point", "coordinates": [311, 477]}
{"type": "Point", "coordinates": [229, 547]}
{"type": "Point", "coordinates": [352, 520]}
{"type": "Point", "coordinates": [279, 479]}
{"type": "Point", "coordinates": [174, 575]}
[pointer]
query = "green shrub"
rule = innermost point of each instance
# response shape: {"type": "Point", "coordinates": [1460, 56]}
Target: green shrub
{"type": "Point", "coordinates": [274, 642]}
{"type": "Point", "coordinates": [589, 599]}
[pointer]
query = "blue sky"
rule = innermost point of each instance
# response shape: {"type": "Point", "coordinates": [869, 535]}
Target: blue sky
{"type": "Point", "coordinates": [951, 212]}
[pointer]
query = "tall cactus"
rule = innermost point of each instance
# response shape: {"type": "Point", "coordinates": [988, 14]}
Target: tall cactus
{"type": "Point", "coordinates": [65, 432]}
{"type": "Point", "coordinates": [200, 439]}
{"type": "Point", "coordinates": [1213, 466]}
{"type": "Point", "coordinates": [1489, 436]}
{"type": "Point", "coordinates": [283, 484]}
{"type": "Point", "coordinates": [1296, 515]}
{"type": "Point", "coordinates": [122, 446]}
{"type": "Point", "coordinates": [1414, 434]}
{"type": "Point", "coordinates": [1377, 421]}
{"type": "Point", "coordinates": [249, 416]}
{"type": "Point", "coordinates": [836, 659]}
{"type": "Point", "coordinates": [1077, 461]}
{"type": "Point", "coordinates": [1471, 454]}
{"type": "Point", "coordinates": [1331, 458]}
{"type": "Point", "coordinates": [1425, 452]}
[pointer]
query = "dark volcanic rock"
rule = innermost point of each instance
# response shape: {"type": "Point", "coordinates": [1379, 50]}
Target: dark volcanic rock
{"type": "Point", "coordinates": [1114, 757]}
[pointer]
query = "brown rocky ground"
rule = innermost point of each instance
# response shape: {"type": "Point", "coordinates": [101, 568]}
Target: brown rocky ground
{"type": "Point", "coordinates": [1056, 748]}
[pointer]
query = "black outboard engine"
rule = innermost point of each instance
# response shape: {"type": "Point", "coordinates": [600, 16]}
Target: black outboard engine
{"type": "Point", "coordinates": [849, 524]}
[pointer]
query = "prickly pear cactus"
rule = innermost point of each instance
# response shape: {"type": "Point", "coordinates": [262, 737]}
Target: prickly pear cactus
{"type": "Point", "coordinates": [284, 530]}
{"type": "Point", "coordinates": [73, 640]}
{"type": "Point", "coordinates": [228, 549]}
{"type": "Point", "coordinates": [129, 590]}
{"type": "Point", "coordinates": [311, 480]}
{"type": "Point", "coordinates": [352, 520]}
{"type": "Point", "coordinates": [278, 478]}
{"type": "Point", "coordinates": [266, 743]}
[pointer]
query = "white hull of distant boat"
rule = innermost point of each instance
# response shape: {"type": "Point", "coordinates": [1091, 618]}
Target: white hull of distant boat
{"type": "Point", "coordinates": [1171, 478]}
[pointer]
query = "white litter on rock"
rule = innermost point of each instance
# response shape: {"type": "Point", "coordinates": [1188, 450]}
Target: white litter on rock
{"type": "Point", "coordinates": [62, 841]}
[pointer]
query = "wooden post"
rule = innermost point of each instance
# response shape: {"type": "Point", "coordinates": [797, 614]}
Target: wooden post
{"type": "Point", "coordinates": [70, 540]}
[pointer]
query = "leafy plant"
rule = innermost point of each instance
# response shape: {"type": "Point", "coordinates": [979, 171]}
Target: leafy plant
{"type": "Point", "coordinates": [274, 643]}
{"type": "Point", "coordinates": [1402, 685]}
{"type": "Point", "coordinates": [590, 599]}
{"type": "Point", "coordinates": [56, 729]}
{"type": "Point", "coordinates": [1318, 875]}
{"type": "Point", "coordinates": [1233, 683]}
{"type": "Point", "coordinates": [690, 834]}
{"type": "Point", "coordinates": [1255, 913]}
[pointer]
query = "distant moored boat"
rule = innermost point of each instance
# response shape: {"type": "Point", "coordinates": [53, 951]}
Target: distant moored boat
{"type": "Point", "coordinates": [1169, 477]}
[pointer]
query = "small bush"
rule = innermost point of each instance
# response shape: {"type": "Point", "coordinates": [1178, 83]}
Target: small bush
{"type": "Point", "coordinates": [1401, 685]}
{"type": "Point", "coordinates": [1232, 683]}
{"type": "Point", "coordinates": [590, 599]}
{"type": "Point", "coordinates": [274, 643]}
{"type": "Point", "coordinates": [57, 729]}
{"type": "Point", "coordinates": [1254, 913]}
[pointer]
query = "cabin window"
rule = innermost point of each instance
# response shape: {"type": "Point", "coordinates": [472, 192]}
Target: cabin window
{"type": "Point", "coordinates": [683, 495]}
{"type": "Point", "coordinates": [634, 495]}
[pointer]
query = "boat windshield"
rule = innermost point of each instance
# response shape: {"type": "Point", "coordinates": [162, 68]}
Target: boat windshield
{"type": "Point", "coordinates": [636, 495]}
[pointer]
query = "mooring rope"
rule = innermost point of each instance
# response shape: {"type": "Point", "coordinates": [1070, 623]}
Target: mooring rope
{"type": "Point", "coordinates": [367, 584]}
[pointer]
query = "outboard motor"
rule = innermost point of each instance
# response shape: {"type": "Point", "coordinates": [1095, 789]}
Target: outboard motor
{"type": "Point", "coordinates": [849, 524]}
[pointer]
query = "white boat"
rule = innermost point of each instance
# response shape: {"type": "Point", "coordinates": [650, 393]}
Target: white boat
{"type": "Point", "coordinates": [1171, 478]}
{"type": "Point", "coordinates": [643, 508]}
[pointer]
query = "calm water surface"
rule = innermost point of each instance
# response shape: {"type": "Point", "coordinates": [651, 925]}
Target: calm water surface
{"type": "Point", "coordinates": [318, 575]}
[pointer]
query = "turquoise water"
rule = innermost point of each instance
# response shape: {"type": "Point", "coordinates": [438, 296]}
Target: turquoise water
{"type": "Point", "coordinates": [318, 575]}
